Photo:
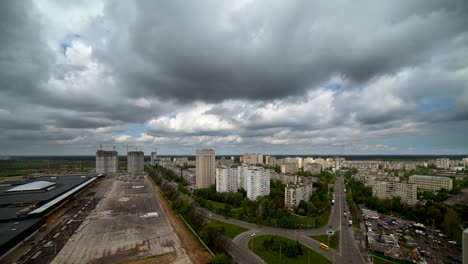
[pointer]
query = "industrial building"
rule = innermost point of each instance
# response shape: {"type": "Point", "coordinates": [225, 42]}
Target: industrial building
{"type": "Point", "coordinates": [107, 161]}
{"type": "Point", "coordinates": [431, 183]}
{"type": "Point", "coordinates": [135, 161]}
{"type": "Point", "coordinates": [24, 203]}
{"type": "Point", "coordinates": [205, 168]}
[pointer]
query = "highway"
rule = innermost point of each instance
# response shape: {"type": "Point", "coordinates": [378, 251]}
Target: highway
{"type": "Point", "coordinates": [348, 253]}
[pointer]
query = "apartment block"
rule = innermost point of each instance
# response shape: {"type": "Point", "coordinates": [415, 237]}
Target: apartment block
{"type": "Point", "coordinates": [315, 168]}
{"type": "Point", "coordinates": [297, 192]}
{"type": "Point", "coordinates": [387, 190]}
{"type": "Point", "coordinates": [442, 163]}
{"type": "Point", "coordinates": [107, 161]}
{"type": "Point", "coordinates": [205, 168]}
{"type": "Point", "coordinates": [300, 162]}
{"type": "Point", "coordinates": [227, 179]}
{"type": "Point", "coordinates": [135, 161]}
{"type": "Point", "coordinates": [154, 158]}
{"type": "Point", "coordinates": [252, 158]}
{"type": "Point", "coordinates": [258, 182]}
{"type": "Point", "coordinates": [431, 183]}
{"type": "Point", "coordinates": [290, 168]}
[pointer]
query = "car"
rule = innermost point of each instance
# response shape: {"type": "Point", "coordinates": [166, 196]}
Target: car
{"type": "Point", "coordinates": [252, 235]}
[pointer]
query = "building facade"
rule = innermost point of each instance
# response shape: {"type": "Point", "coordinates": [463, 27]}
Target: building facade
{"type": "Point", "coordinates": [296, 192]}
{"type": "Point", "coordinates": [315, 168]}
{"type": "Point", "coordinates": [387, 190]}
{"type": "Point", "coordinates": [227, 179]}
{"type": "Point", "coordinates": [154, 158]}
{"type": "Point", "coordinates": [107, 161]}
{"type": "Point", "coordinates": [431, 183]}
{"type": "Point", "coordinates": [135, 161]}
{"type": "Point", "coordinates": [252, 158]}
{"type": "Point", "coordinates": [442, 163]}
{"type": "Point", "coordinates": [205, 168]}
{"type": "Point", "coordinates": [289, 168]}
{"type": "Point", "coordinates": [258, 182]}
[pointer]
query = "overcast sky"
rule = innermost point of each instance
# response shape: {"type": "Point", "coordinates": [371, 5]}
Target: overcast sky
{"type": "Point", "coordinates": [277, 77]}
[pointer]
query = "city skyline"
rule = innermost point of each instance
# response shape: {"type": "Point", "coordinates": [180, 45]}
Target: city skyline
{"type": "Point", "coordinates": [278, 78]}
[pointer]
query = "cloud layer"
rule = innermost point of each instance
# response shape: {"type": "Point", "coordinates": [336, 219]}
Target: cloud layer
{"type": "Point", "coordinates": [350, 77]}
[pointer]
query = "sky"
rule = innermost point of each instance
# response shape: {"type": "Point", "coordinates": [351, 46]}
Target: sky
{"type": "Point", "coordinates": [277, 77]}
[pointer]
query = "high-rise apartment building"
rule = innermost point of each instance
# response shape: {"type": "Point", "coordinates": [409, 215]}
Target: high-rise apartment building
{"type": "Point", "coordinates": [227, 179]}
{"type": "Point", "coordinates": [252, 158]}
{"type": "Point", "coordinates": [431, 183]}
{"type": "Point", "coordinates": [205, 168]}
{"type": "Point", "coordinates": [297, 192]}
{"type": "Point", "coordinates": [154, 158]}
{"type": "Point", "coordinates": [258, 182]}
{"type": "Point", "coordinates": [300, 162]}
{"type": "Point", "coordinates": [135, 161]}
{"type": "Point", "coordinates": [387, 190]}
{"type": "Point", "coordinates": [107, 161]}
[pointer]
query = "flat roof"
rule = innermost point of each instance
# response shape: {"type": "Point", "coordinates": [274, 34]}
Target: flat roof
{"type": "Point", "coordinates": [32, 186]}
{"type": "Point", "coordinates": [61, 197]}
{"type": "Point", "coordinates": [429, 176]}
{"type": "Point", "coordinates": [63, 184]}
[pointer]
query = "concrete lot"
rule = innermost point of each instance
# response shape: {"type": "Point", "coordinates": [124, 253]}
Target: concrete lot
{"type": "Point", "coordinates": [116, 232]}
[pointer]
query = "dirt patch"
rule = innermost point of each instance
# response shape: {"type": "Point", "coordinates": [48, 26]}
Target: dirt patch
{"type": "Point", "coordinates": [193, 249]}
{"type": "Point", "coordinates": [160, 259]}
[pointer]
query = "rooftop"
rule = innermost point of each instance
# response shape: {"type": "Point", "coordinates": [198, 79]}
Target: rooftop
{"type": "Point", "coordinates": [429, 177]}
{"type": "Point", "coordinates": [32, 186]}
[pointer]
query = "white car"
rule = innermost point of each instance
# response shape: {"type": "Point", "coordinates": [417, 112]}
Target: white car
{"type": "Point", "coordinates": [252, 235]}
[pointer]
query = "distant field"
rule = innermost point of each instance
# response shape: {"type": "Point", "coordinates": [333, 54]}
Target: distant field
{"type": "Point", "coordinates": [10, 168]}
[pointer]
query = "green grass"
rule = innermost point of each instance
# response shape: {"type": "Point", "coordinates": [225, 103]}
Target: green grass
{"type": "Point", "coordinates": [10, 168]}
{"type": "Point", "coordinates": [334, 240]}
{"type": "Point", "coordinates": [231, 230]}
{"type": "Point", "coordinates": [269, 256]}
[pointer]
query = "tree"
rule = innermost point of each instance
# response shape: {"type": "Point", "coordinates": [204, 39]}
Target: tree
{"type": "Point", "coordinates": [227, 210]}
{"type": "Point", "coordinates": [451, 222]}
{"type": "Point", "coordinates": [291, 250]}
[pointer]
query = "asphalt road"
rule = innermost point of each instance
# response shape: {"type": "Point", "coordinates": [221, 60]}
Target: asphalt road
{"type": "Point", "coordinates": [348, 253]}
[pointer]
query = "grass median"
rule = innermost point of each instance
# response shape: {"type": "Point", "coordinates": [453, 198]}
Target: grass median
{"type": "Point", "coordinates": [231, 230]}
{"type": "Point", "coordinates": [334, 240]}
{"type": "Point", "coordinates": [270, 254]}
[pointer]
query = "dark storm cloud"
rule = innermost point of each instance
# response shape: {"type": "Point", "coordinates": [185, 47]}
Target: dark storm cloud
{"type": "Point", "coordinates": [209, 52]}
{"type": "Point", "coordinates": [24, 56]}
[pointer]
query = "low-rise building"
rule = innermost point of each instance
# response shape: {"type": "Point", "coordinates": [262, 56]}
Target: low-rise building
{"type": "Point", "coordinates": [388, 190]}
{"type": "Point", "coordinates": [296, 192]}
{"type": "Point", "coordinates": [431, 183]}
